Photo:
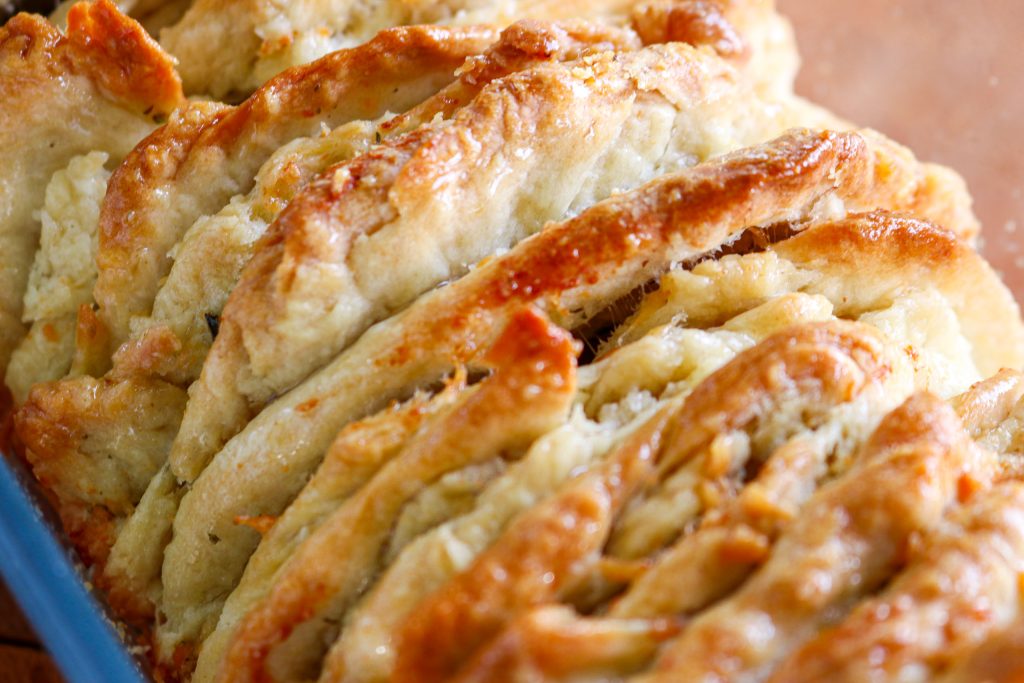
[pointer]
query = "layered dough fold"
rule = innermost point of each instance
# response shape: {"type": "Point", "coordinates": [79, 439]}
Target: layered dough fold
{"type": "Point", "coordinates": [483, 341]}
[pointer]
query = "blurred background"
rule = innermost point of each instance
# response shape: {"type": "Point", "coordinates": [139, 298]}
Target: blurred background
{"type": "Point", "coordinates": [945, 78]}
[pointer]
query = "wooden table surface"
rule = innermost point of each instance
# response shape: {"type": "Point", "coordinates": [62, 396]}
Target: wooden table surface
{"type": "Point", "coordinates": [942, 76]}
{"type": "Point", "coordinates": [22, 660]}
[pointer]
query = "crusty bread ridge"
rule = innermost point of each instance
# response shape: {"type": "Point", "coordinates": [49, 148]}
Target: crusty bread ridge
{"type": "Point", "coordinates": [61, 95]}
{"type": "Point", "coordinates": [560, 341]}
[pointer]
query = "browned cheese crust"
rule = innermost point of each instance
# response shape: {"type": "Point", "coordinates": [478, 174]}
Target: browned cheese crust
{"type": "Point", "coordinates": [178, 175]}
{"type": "Point", "coordinates": [555, 544]}
{"type": "Point", "coordinates": [528, 394]}
{"type": "Point", "coordinates": [999, 660]}
{"type": "Point", "coordinates": [156, 367]}
{"type": "Point", "coordinates": [571, 269]}
{"type": "Point", "coordinates": [564, 350]}
{"type": "Point", "coordinates": [849, 538]}
{"type": "Point", "coordinates": [957, 590]}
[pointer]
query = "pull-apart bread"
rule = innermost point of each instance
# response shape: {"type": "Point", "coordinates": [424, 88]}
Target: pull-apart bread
{"type": "Point", "coordinates": [72, 105]}
{"type": "Point", "coordinates": [525, 341]}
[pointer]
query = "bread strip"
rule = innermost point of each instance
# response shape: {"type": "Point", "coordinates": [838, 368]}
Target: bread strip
{"type": "Point", "coordinates": [529, 149]}
{"type": "Point", "coordinates": [542, 553]}
{"type": "Point", "coordinates": [862, 263]}
{"type": "Point", "coordinates": [365, 648]}
{"type": "Point", "coordinates": [358, 453]}
{"type": "Point", "coordinates": [94, 88]}
{"type": "Point", "coordinates": [874, 257]}
{"type": "Point", "coordinates": [617, 245]}
{"type": "Point", "coordinates": [175, 177]}
{"type": "Point", "coordinates": [528, 394]}
{"type": "Point", "coordinates": [989, 402]}
{"type": "Point", "coordinates": [555, 544]}
{"type": "Point", "coordinates": [749, 33]}
{"type": "Point", "coordinates": [69, 435]}
{"type": "Point", "coordinates": [707, 565]}
{"type": "Point", "coordinates": [847, 541]}
{"type": "Point", "coordinates": [962, 585]}
{"type": "Point", "coordinates": [554, 644]}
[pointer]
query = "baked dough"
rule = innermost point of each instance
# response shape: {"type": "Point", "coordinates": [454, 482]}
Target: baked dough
{"type": "Point", "coordinates": [556, 544]}
{"type": "Point", "coordinates": [62, 275]}
{"type": "Point", "coordinates": [997, 660]}
{"type": "Point", "coordinates": [985, 539]}
{"type": "Point", "coordinates": [641, 114]}
{"type": "Point", "coordinates": [229, 47]}
{"type": "Point", "coordinates": [578, 350]}
{"type": "Point", "coordinates": [445, 196]}
{"type": "Point", "coordinates": [400, 586]}
{"type": "Point", "coordinates": [266, 38]}
{"type": "Point", "coordinates": [415, 352]}
{"type": "Point", "coordinates": [96, 87]}
{"type": "Point", "coordinates": [211, 153]}
{"type": "Point", "coordinates": [167, 348]}
{"type": "Point", "coordinates": [802, 170]}
{"type": "Point", "coordinates": [529, 394]}
{"type": "Point", "coordinates": [206, 153]}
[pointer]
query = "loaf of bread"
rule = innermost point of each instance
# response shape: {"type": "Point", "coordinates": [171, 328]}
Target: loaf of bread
{"type": "Point", "coordinates": [502, 341]}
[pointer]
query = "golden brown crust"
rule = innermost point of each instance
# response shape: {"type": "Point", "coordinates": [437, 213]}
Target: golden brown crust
{"type": "Point", "coordinates": [638, 232]}
{"type": "Point", "coordinates": [749, 33]}
{"type": "Point", "coordinates": [999, 660]}
{"type": "Point", "coordinates": [123, 60]}
{"type": "Point", "coordinates": [60, 96]}
{"type": "Point", "coordinates": [849, 538]}
{"type": "Point", "coordinates": [555, 544]}
{"type": "Point", "coordinates": [697, 22]}
{"type": "Point", "coordinates": [949, 598]}
{"type": "Point", "coordinates": [539, 557]}
{"type": "Point", "coordinates": [571, 269]}
{"type": "Point", "coordinates": [989, 402]}
{"type": "Point", "coordinates": [809, 373]}
{"type": "Point", "coordinates": [160, 157]}
{"type": "Point", "coordinates": [781, 559]}
{"type": "Point", "coordinates": [155, 161]}
{"type": "Point", "coordinates": [355, 456]}
{"type": "Point", "coordinates": [529, 392]}
{"type": "Point", "coordinates": [932, 193]}
{"type": "Point", "coordinates": [553, 644]}
{"type": "Point", "coordinates": [322, 274]}
{"type": "Point", "coordinates": [832, 364]}
{"type": "Point", "coordinates": [886, 253]}
{"type": "Point", "coordinates": [785, 531]}
{"type": "Point", "coordinates": [90, 488]}
{"type": "Point", "coordinates": [110, 49]}
{"type": "Point", "coordinates": [734, 538]}
{"type": "Point", "coordinates": [92, 339]}
{"type": "Point", "coordinates": [524, 44]}
{"type": "Point", "coordinates": [151, 205]}
{"type": "Point", "coordinates": [154, 355]}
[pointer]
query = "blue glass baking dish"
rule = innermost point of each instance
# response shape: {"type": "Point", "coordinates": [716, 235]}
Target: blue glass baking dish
{"type": "Point", "coordinates": [50, 587]}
